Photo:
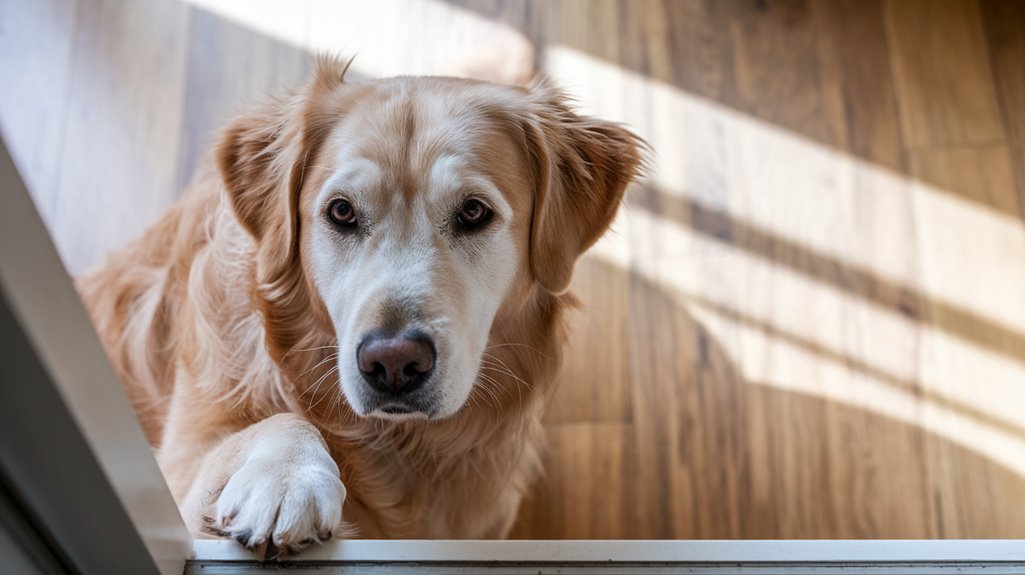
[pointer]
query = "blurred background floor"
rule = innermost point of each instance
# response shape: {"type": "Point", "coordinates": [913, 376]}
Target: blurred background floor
{"type": "Point", "coordinates": [808, 322]}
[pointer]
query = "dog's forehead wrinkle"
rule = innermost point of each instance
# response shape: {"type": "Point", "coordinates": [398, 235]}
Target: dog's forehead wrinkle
{"type": "Point", "coordinates": [446, 172]}
{"type": "Point", "coordinates": [452, 176]}
{"type": "Point", "coordinates": [435, 142]}
{"type": "Point", "coordinates": [354, 175]}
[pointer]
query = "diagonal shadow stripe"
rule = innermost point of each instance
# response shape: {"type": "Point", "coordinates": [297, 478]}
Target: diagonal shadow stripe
{"type": "Point", "coordinates": [908, 385]}
{"type": "Point", "coordinates": [852, 279]}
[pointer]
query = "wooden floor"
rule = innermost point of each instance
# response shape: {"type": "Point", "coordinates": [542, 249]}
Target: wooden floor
{"type": "Point", "coordinates": [810, 320]}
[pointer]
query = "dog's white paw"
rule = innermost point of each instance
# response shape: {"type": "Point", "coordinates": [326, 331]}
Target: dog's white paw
{"type": "Point", "coordinates": [286, 503]}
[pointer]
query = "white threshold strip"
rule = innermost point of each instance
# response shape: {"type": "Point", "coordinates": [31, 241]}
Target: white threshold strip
{"type": "Point", "coordinates": [570, 557]}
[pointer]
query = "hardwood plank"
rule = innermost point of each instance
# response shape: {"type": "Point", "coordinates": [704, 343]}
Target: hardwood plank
{"type": "Point", "coordinates": [688, 457]}
{"type": "Point", "coordinates": [231, 66]}
{"type": "Point", "coordinates": [780, 72]}
{"type": "Point", "coordinates": [945, 89]}
{"type": "Point", "coordinates": [975, 259]}
{"type": "Point", "coordinates": [684, 45]}
{"type": "Point", "coordinates": [803, 342]}
{"type": "Point", "coordinates": [673, 361]}
{"type": "Point", "coordinates": [714, 453]}
{"type": "Point", "coordinates": [590, 26]}
{"type": "Point", "coordinates": [120, 153]}
{"type": "Point", "coordinates": [1005, 33]}
{"type": "Point", "coordinates": [853, 31]}
{"type": "Point", "coordinates": [36, 36]}
{"type": "Point", "coordinates": [765, 59]}
{"type": "Point", "coordinates": [983, 175]}
{"type": "Point", "coordinates": [586, 493]}
{"type": "Point", "coordinates": [594, 382]}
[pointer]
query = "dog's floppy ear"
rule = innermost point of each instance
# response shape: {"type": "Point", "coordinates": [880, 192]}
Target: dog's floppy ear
{"type": "Point", "coordinates": [582, 167]}
{"type": "Point", "coordinates": [263, 158]}
{"type": "Point", "coordinates": [262, 155]}
{"type": "Point", "coordinates": [255, 155]}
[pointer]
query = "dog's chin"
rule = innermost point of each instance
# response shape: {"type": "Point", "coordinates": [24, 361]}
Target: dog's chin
{"type": "Point", "coordinates": [397, 412]}
{"type": "Point", "coordinates": [392, 411]}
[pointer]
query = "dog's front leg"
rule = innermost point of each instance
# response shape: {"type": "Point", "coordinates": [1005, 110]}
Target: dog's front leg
{"type": "Point", "coordinates": [272, 482]}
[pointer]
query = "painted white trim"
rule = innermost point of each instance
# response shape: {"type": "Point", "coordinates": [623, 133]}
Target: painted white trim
{"type": "Point", "coordinates": [754, 551]}
{"type": "Point", "coordinates": [52, 316]}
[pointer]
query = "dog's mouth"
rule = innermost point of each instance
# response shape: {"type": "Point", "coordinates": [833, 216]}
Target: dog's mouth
{"type": "Point", "coordinates": [399, 412]}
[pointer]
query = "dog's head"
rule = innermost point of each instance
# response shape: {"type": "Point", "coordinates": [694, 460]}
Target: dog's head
{"type": "Point", "coordinates": [408, 215]}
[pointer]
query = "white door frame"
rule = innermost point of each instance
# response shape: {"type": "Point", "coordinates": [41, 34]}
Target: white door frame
{"type": "Point", "coordinates": [72, 448]}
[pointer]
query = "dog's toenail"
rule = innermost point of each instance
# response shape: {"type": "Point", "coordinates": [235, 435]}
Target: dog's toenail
{"type": "Point", "coordinates": [244, 537]}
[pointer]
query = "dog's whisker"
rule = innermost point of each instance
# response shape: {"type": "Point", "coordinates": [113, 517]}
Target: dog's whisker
{"type": "Point", "coordinates": [519, 390]}
{"type": "Point", "coordinates": [333, 404]}
{"type": "Point", "coordinates": [318, 384]}
{"type": "Point", "coordinates": [504, 369]}
{"type": "Point", "coordinates": [297, 350]}
{"type": "Point", "coordinates": [491, 392]}
{"type": "Point", "coordinates": [496, 359]}
{"type": "Point", "coordinates": [520, 385]}
{"type": "Point", "coordinates": [474, 401]}
{"type": "Point", "coordinates": [501, 371]}
{"type": "Point", "coordinates": [335, 388]}
{"type": "Point", "coordinates": [479, 391]}
{"type": "Point", "coordinates": [513, 344]}
{"type": "Point", "coordinates": [308, 388]}
{"type": "Point", "coordinates": [320, 363]}
{"type": "Point", "coordinates": [488, 379]}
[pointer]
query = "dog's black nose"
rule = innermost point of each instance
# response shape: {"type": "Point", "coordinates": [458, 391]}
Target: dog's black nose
{"type": "Point", "coordinates": [396, 365]}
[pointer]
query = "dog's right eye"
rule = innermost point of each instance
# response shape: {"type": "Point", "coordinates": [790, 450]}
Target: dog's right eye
{"type": "Point", "coordinates": [341, 213]}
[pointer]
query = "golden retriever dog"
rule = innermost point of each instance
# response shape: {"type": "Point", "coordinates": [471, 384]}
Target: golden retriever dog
{"type": "Point", "coordinates": [356, 309]}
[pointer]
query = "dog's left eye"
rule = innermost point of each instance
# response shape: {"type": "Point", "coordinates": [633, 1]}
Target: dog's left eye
{"type": "Point", "coordinates": [473, 214]}
{"type": "Point", "coordinates": [341, 213]}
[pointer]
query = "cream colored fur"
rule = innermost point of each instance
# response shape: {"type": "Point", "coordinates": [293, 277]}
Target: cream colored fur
{"type": "Point", "coordinates": [232, 321]}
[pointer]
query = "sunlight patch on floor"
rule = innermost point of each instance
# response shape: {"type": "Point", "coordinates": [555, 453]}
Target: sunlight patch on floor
{"type": "Point", "coordinates": [389, 37]}
{"type": "Point", "coordinates": [855, 283]}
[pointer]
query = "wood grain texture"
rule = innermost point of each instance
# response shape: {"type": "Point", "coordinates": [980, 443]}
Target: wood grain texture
{"type": "Point", "coordinates": [229, 67]}
{"type": "Point", "coordinates": [854, 34]}
{"type": "Point", "coordinates": [36, 40]}
{"type": "Point", "coordinates": [1005, 20]}
{"type": "Point", "coordinates": [993, 243]}
{"type": "Point", "coordinates": [121, 149]}
{"type": "Point", "coordinates": [942, 73]}
{"type": "Point", "coordinates": [594, 384]}
{"type": "Point", "coordinates": [808, 321]}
